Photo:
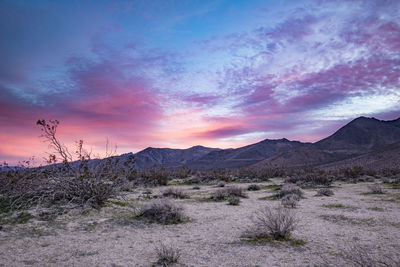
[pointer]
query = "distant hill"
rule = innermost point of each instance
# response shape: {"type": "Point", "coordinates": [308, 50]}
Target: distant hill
{"type": "Point", "coordinates": [360, 136]}
{"type": "Point", "coordinates": [381, 158]}
{"type": "Point", "coordinates": [243, 156]}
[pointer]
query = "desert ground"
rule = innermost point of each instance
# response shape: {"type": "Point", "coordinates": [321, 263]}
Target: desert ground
{"type": "Point", "coordinates": [329, 228]}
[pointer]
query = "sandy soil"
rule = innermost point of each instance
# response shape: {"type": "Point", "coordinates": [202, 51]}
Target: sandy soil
{"type": "Point", "coordinates": [212, 236]}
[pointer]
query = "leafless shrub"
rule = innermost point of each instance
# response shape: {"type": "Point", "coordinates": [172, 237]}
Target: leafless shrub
{"type": "Point", "coordinates": [376, 189]}
{"type": "Point", "coordinates": [167, 254]}
{"type": "Point", "coordinates": [356, 254]}
{"type": "Point", "coordinates": [310, 177]}
{"type": "Point", "coordinates": [85, 192]}
{"type": "Point", "coordinates": [260, 173]}
{"type": "Point", "coordinates": [390, 172]}
{"type": "Point", "coordinates": [290, 189]}
{"type": "Point", "coordinates": [153, 176]}
{"type": "Point", "coordinates": [162, 211]}
{"type": "Point", "coordinates": [174, 192]}
{"type": "Point", "coordinates": [253, 187]}
{"type": "Point", "coordinates": [277, 223]}
{"type": "Point", "coordinates": [353, 172]}
{"type": "Point", "coordinates": [223, 193]}
{"type": "Point", "coordinates": [325, 192]}
{"type": "Point", "coordinates": [290, 201]}
{"type": "Point", "coordinates": [83, 182]}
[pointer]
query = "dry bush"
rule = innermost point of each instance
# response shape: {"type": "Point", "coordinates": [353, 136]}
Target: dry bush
{"type": "Point", "coordinates": [277, 223]}
{"type": "Point", "coordinates": [389, 172]}
{"type": "Point", "coordinates": [253, 187]}
{"type": "Point", "coordinates": [86, 192]}
{"type": "Point", "coordinates": [353, 172]}
{"type": "Point", "coordinates": [162, 211]}
{"type": "Point", "coordinates": [221, 184]}
{"type": "Point", "coordinates": [174, 192]}
{"type": "Point", "coordinates": [224, 193]}
{"type": "Point", "coordinates": [260, 173]}
{"type": "Point", "coordinates": [234, 201]}
{"type": "Point", "coordinates": [290, 189]}
{"type": "Point", "coordinates": [325, 192]}
{"type": "Point", "coordinates": [290, 201]}
{"type": "Point", "coordinates": [153, 177]}
{"type": "Point", "coordinates": [167, 254]}
{"type": "Point", "coordinates": [356, 254]}
{"type": "Point", "coordinates": [310, 177]}
{"type": "Point", "coordinates": [82, 182]}
{"type": "Point", "coordinates": [376, 189]}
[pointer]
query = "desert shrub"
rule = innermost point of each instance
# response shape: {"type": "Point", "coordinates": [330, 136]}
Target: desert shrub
{"type": "Point", "coordinates": [165, 212]}
{"type": "Point", "coordinates": [261, 173]}
{"type": "Point", "coordinates": [363, 256]}
{"type": "Point", "coordinates": [233, 200]}
{"type": "Point", "coordinates": [389, 172]}
{"type": "Point", "coordinates": [325, 192]}
{"type": "Point", "coordinates": [253, 187]}
{"type": "Point", "coordinates": [278, 223]}
{"type": "Point", "coordinates": [376, 189]}
{"type": "Point", "coordinates": [174, 192]}
{"type": "Point", "coordinates": [182, 172]}
{"type": "Point", "coordinates": [77, 180]}
{"type": "Point", "coordinates": [310, 178]}
{"type": "Point", "coordinates": [353, 172]}
{"type": "Point", "coordinates": [221, 184]}
{"type": "Point", "coordinates": [153, 176]}
{"type": "Point", "coordinates": [216, 174]}
{"type": "Point", "coordinates": [290, 189]}
{"type": "Point", "coordinates": [167, 254]}
{"type": "Point", "coordinates": [290, 201]}
{"type": "Point", "coordinates": [85, 191]}
{"type": "Point", "coordinates": [235, 191]}
{"type": "Point", "coordinates": [224, 193]}
{"type": "Point", "coordinates": [219, 195]}
{"type": "Point", "coordinates": [196, 187]}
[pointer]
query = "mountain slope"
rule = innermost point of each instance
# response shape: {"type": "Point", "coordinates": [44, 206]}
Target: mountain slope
{"type": "Point", "coordinates": [360, 136]}
{"type": "Point", "coordinates": [244, 156]}
{"type": "Point", "coordinates": [386, 157]}
{"type": "Point", "coordinates": [168, 157]}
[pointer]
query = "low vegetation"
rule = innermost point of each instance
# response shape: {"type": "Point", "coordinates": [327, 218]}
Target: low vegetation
{"type": "Point", "coordinates": [162, 211]}
{"type": "Point", "coordinates": [233, 200]}
{"type": "Point", "coordinates": [277, 223]}
{"type": "Point", "coordinates": [290, 189]}
{"type": "Point", "coordinates": [290, 201]}
{"type": "Point", "coordinates": [254, 187]}
{"type": "Point", "coordinates": [174, 192]}
{"type": "Point", "coordinates": [325, 192]}
{"type": "Point", "coordinates": [229, 191]}
{"type": "Point", "coordinates": [167, 254]}
{"type": "Point", "coordinates": [376, 189]}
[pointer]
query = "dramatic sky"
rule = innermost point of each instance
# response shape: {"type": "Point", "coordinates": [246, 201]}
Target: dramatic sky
{"type": "Point", "coordinates": [177, 73]}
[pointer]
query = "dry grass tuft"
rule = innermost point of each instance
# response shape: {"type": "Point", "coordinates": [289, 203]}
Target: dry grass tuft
{"type": "Point", "coordinates": [167, 254]}
{"type": "Point", "coordinates": [277, 223]}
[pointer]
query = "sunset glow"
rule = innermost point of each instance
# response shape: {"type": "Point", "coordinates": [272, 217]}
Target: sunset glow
{"type": "Point", "coordinates": [183, 73]}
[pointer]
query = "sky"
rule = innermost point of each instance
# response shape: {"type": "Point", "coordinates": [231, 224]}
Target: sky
{"type": "Point", "coordinates": [179, 73]}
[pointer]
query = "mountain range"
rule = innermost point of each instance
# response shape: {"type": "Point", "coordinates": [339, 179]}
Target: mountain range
{"type": "Point", "coordinates": [366, 142]}
{"type": "Point", "coordinates": [362, 141]}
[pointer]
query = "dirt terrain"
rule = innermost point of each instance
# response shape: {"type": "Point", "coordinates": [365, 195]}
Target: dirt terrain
{"type": "Point", "coordinates": [213, 234]}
